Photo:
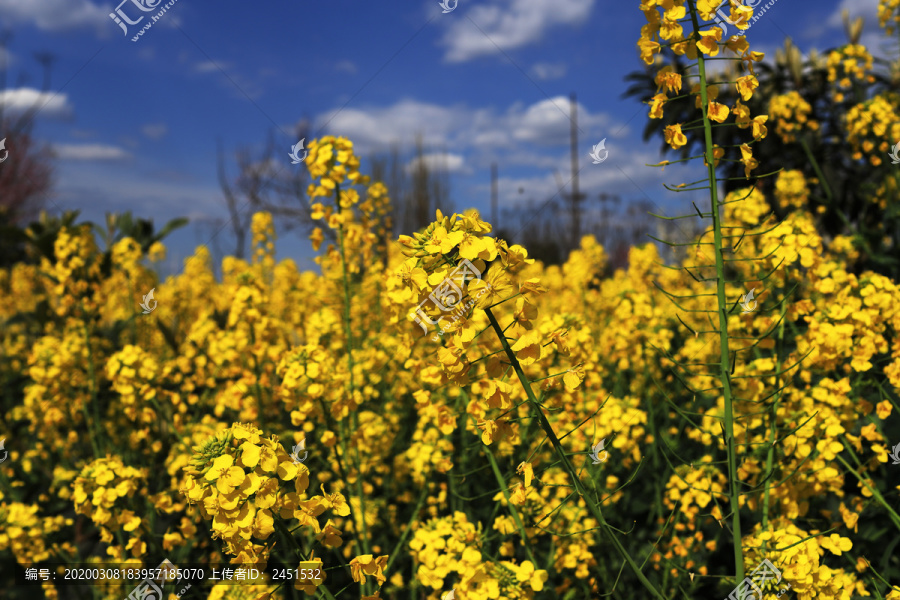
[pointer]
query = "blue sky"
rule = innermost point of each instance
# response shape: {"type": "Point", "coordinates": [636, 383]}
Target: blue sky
{"type": "Point", "coordinates": [135, 124]}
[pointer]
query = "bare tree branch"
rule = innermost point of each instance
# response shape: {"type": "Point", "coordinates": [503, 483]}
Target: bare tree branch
{"type": "Point", "coordinates": [26, 174]}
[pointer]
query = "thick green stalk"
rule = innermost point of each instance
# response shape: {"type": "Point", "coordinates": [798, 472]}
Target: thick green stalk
{"type": "Point", "coordinates": [593, 508]}
{"type": "Point", "coordinates": [133, 314]}
{"type": "Point", "coordinates": [770, 455]}
{"type": "Point", "coordinates": [822, 181]}
{"type": "Point", "coordinates": [457, 452]}
{"type": "Point", "coordinates": [346, 282]}
{"type": "Point", "coordinates": [92, 375]}
{"type": "Point", "coordinates": [350, 365]}
{"type": "Point", "coordinates": [286, 535]}
{"type": "Point", "coordinates": [396, 551]}
{"type": "Point", "coordinates": [722, 307]}
{"type": "Point", "coordinates": [895, 518]}
{"type": "Point", "coordinates": [337, 456]}
{"type": "Point", "coordinates": [512, 508]}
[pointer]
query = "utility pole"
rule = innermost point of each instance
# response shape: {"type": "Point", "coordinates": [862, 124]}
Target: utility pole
{"type": "Point", "coordinates": [494, 223]}
{"type": "Point", "coordinates": [575, 196]}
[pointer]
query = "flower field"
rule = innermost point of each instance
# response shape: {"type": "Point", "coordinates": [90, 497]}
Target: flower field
{"type": "Point", "coordinates": [476, 424]}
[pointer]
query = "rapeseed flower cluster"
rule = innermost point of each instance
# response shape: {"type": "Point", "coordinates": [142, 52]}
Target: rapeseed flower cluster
{"type": "Point", "coordinates": [25, 533]}
{"type": "Point", "coordinates": [448, 548]}
{"type": "Point", "coordinates": [244, 591]}
{"type": "Point", "coordinates": [790, 113]}
{"type": "Point", "coordinates": [667, 27]}
{"type": "Point", "coordinates": [791, 190]}
{"type": "Point", "coordinates": [889, 15]}
{"type": "Point", "coordinates": [242, 482]}
{"type": "Point", "coordinates": [247, 355]}
{"type": "Point", "coordinates": [104, 491]}
{"type": "Point", "coordinates": [846, 64]}
{"type": "Point", "coordinates": [801, 561]}
{"type": "Point", "coordinates": [132, 374]}
{"type": "Point", "coordinates": [460, 460]}
{"type": "Point", "coordinates": [872, 127]}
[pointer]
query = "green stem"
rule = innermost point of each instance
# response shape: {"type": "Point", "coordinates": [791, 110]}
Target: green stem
{"type": "Point", "coordinates": [93, 382]}
{"type": "Point", "coordinates": [773, 413]}
{"type": "Point", "coordinates": [364, 536]}
{"type": "Point", "coordinates": [256, 371]}
{"type": "Point", "coordinates": [346, 283]}
{"type": "Point", "coordinates": [298, 552]}
{"type": "Point", "coordinates": [875, 493]}
{"type": "Point", "coordinates": [593, 508]}
{"type": "Point", "coordinates": [815, 164]}
{"type": "Point", "coordinates": [722, 306]}
{"type": "Point", "coordinates": [133, 314]}
{"type": "Point", "coordinates": [512, 508]}
{"type": "Point", "coordinates": [457, 454]}
{"type": "Point", "coordinates": [409, 524]}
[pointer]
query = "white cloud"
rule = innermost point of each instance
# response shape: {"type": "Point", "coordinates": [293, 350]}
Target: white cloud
{"type": "Point", "coordinates": [147, 52]}
{"type": "Point", "coordinates": [58, 15]}
{"type": "Point", "coordinates": [95, 189]}
{"type": "Point", "coordinates": [873, 38]}
{"type": "Point", "coordinates": [545, 123]}
{"type": "Point", "coordinates": [346, 66]}
{"type": "Point", "coordinates": [519, 23]}
{"type": "Point", "coordinates": [83, 134]}
{"type": "Point", "coordinates": [624, 173]}
{"type": "Point", "coordinates": [522, 138]}
{"type": "Point", "coordinates": [716, 69]}
{"type": "Point", "coordinates": [879, 45]}
{"type": "Point", "coordinates": [155, 131]}
{"type": "Point", "coordinates": [437, 160]}
{"type": "Point", "coordinates": [546, 71]}
{"type": "Point", "coordinates": [228, 76]}
{"type": "Point", "coordinates": [48, 104]}
{"type": "Point", "coordinates": [530, 158]}
{"type": "Point", "coordinates": [490, 139]}
{"type": "Point", "coordinates": [867, 9]}
{"type": "Point", "coordinates": [208, 66]}
{"type": "Point", "coordinates": [399, 123]}
{"type": "Point", "coordinates": [89, 152]}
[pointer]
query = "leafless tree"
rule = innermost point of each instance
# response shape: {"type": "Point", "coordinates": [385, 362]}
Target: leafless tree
{"type": "Point", "coordinates": [26, 175]}
{"type": "Point", "coordinates": [267, 182]}
{"type": "Point", "coordinates": [417, 188]}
